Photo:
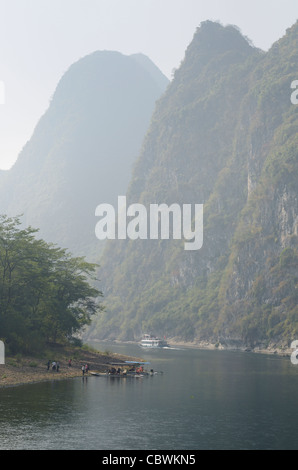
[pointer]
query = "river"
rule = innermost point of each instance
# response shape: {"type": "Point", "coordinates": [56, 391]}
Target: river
{"type": "Point", "coordinates": [201, 400]}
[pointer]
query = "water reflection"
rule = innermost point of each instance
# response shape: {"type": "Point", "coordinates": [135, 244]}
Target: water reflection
{"type": "Point", "coordinates": [203, 400]}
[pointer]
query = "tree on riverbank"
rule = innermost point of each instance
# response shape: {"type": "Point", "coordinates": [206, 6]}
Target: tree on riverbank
{"type": "Point", "coordinates": [45, 293]}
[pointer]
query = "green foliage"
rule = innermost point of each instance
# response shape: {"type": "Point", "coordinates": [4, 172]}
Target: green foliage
{"type": "Point", "coordinates": [45, 295]}
{"type": "Point", "coordinates": [288, 257]}
{"type": "Point", "coordinates": [224, 134]}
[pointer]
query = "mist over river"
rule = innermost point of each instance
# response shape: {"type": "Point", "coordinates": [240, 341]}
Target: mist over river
{"type": "Point", "coordinates": [202, 400]}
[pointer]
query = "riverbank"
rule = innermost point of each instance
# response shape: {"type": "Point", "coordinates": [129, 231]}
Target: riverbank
{"type": "Point", "coordinates": [271, 349]}
{"type": "Point", "coordinates": [276, 349]}
{"type": "Point", "coordinates": [21, 370]}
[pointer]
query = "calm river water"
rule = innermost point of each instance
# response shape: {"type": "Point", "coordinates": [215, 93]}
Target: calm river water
{"type": "Point", "coordinates": [203, 400]}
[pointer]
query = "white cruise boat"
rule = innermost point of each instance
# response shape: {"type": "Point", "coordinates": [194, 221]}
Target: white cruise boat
{"type": "Point", "coordinates": [149, 341]}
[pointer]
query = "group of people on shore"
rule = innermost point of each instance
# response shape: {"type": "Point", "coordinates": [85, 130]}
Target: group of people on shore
{"type": "Point", "coordinates": [85, 369]}
{"type": "Point", "coordinates": [55, 365]}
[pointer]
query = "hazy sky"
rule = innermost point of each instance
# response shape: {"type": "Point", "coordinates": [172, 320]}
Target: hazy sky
{"type": "Point", "coordinates": [40, 39]}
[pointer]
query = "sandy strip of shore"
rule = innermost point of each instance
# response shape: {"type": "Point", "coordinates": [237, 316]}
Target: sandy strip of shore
{"type": "Point", "coordinates": [29, 370]}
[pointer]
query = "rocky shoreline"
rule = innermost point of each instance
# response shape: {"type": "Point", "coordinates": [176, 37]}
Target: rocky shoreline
{"type": "Point", "coordinates": [226, 345]}
{"type": "Point", "coordinates": [276, 349]}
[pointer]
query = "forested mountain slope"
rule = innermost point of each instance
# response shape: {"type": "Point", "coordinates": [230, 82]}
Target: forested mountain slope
{"type": "Point", "coordinates": [224, 135]}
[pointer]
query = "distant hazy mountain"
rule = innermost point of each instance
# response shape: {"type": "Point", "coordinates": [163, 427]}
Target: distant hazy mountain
{"type": "Point", "coordinates": [83, 148]}
{"type": "Point", "coordinates": [225, 134]}
{"type": "Point", "coordinates": [160, 79]}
